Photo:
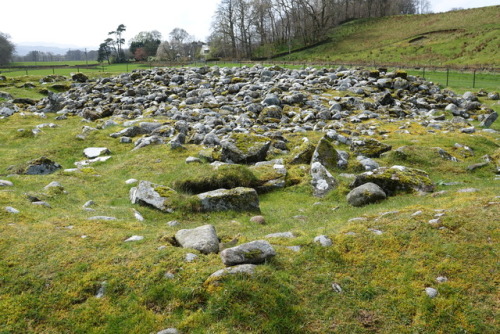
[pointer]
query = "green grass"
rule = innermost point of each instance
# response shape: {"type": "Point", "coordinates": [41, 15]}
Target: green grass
{"type": "Point", "coordinates": [50, 275]}
{"type": "Point", "coordinates": [459, 39]}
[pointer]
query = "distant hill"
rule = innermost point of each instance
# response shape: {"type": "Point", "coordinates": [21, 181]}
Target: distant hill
{"type": "Point", "coordinates": [24, 49]}
{"type": "Point", "coordinates": [458, 38]}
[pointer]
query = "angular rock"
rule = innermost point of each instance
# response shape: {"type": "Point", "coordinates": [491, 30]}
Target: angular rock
{"type": "Point", "coordinates": [237, 199]}
{"type": "Point", "coordinates": [94, 152]}
{"type": "Point", "coordinates": [396, 178]}
{"type": "Point", "coordinates": [245, 148]}
{"type": "Point", "coordinates": [325, 154]}
{"type": "Point", "coordinates": [157, 196]}
{"type": "Point", "coordinates": [322, 181]}
{"type": "Point", "coordinates": [365, 194]}
{"type": "Point", "coordinates": [254, 252]}
{"type": "Point", "coordinates": [203, 239]}
{"type": "Point", "coordinates": [247, 269]}
{"type": "Point", "coordinates": [488, 121]}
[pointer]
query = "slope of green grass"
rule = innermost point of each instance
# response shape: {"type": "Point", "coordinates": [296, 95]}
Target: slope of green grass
{"type": "Point", "coordinates": [460, 38]}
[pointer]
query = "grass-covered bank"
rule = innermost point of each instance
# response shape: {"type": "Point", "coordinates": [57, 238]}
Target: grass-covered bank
{"type": "Point", "coordinates": [459, 38]}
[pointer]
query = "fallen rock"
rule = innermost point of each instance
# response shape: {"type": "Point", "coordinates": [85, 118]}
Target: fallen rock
{"type": "Point", "coordinates": [203, 239]}
{"type": "Point", "coordinates": [369, 147]}
{"type": "Point", "coordinates": [216, 277]}
{"type": "Point", "coordinates": [237, 199]}
{"type": "Point", "coordinates": [366, 194]}
{"type": "Point", "coordinates": [157, 196]}
{"type": "Point", "coordinates": [254, 252]}
{"type": "Point", "coordinates": [325, 154]}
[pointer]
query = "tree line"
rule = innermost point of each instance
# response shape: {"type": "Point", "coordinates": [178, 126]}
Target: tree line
{"type": "Point", "coordinates": [249, 28]}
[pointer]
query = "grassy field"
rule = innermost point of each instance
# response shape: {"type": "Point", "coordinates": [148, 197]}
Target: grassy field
{"type": "Point", "coordinates": [466, 37]}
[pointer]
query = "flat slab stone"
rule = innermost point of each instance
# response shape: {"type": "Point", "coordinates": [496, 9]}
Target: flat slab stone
{"type": "Point", "coordinates": [94, 152]}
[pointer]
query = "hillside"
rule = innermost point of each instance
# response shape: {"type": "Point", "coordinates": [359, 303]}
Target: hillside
{"type": "Point", "coordinates": [357, 201]}
{"type": "Point", "coordinates": [459, 38]}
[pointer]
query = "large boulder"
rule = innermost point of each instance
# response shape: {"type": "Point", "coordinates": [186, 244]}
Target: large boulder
{"type": "Point", "coordinates": [254, 252]}
{"type": "Point", "coordinates": [303, 153]}
{"type": "Point", "coordinates": [154, 195]}
{"type": "Point", "coordinates": [365, 194]}
{"type": "Point", "coordinates": [203, 239]}
{"type": "Point", "coordinates": [322, 181]}
{"type": "Point", "coordinates": [245, 148]}
{"type": "Point", "coordinates": [238, 199]}
{"type": "Point", "coordinates": [396, 178]}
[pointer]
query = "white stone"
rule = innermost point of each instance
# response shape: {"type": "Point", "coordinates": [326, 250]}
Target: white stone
{"type": "Point", "coordinates": [11, 209]}
{"type": "Point", "coordinates": [431, 292]}
{"type": "Point", "coordinates": [135, 238]}
{"type": "Point", "coordinates": [94, 152]}
{"type": "Point", "coordinates": [323, 240]}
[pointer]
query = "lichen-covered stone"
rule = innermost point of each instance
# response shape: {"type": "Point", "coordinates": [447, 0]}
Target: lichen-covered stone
{"type": "Point", "coordinates": [237, 199]}
{"type": "Point", "coordinates": [321, 180]}
{"type": "Point", "coordinates": [254, 252]}
{"type": "Point", "coordinates": [396, 178]}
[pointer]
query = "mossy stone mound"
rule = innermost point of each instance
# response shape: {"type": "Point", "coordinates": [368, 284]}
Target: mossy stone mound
{"type": "Point", "coordinates": [369, 147]}
{"type": "Point", "coordinates": [396, 179]}
{"type": "Point", "coordinates": [237, 199]}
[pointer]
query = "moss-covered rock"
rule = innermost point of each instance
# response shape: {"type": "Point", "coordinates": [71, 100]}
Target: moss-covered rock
{"type": "Point", "coordinates": [237, 199]}
{"type": "Point", "coordinates": [245, 148]}
{"type": "Point", "coordinates": [225, 176]}
{"type": "Point", "coordinates": [369, 147]}
{"type": "Point", "coordinates": [396, 179]}
{"type": "Point", "coordinates": [325, 154]}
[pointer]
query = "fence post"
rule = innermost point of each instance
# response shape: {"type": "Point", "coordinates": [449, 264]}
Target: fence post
{"type": "Point", "coordinates": [447, 76]}
{"type": "Point", "coordinates": [423, 73]}
{"type": "Point", "coordinates": [53, 71]}
{"type": "Point", "coordinates": [26, 71]}
{"type": "Point", "coordinates": [474, 80]}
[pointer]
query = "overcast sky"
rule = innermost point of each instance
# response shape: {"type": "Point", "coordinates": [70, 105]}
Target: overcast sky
{"type": "Point", "coordinates": [87, 23]}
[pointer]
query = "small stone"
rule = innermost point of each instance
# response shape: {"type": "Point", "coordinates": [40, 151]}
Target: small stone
{"type": "Point", "coordinates": [102, 218]}
{"type": "Point", "coordinates": [135, 238]}
{"type": "Point", "coordinates": [138, 215]}
{"type": "Point", "coordinates": [5, 183]}
{"type": "Point", "coordinates": [442, 279]}
{"type": "Point", "coordinates": [41, 203]}
{"type": "Point", "coordinates": [131, 181]}
{"type": "Point", "coordinates": [11, 209]}
{"type": "Point", "coordinates": [102, 290]}
{"type": "Point", "coordinates": [94, 152]}
{"type": "Point", "coordinates": [258, 219]}
{"type": "Point", "coordinates": [190, 257]}
{"type": "Point", "coordinates": [467, 190]}
{"type": "Point", "coordinates": [89, 204]}
{"type": "Point", "coordinates": [170, 330]}
{"type": "Point", "coordinates": [193, 160]}
{"type": "Point", "coordinates": [431, 292]}
{"type": "Point", "coordinates": [435, 221]}
{"type": "Point", "coordinates": [173, 223]}
{"type": "Point", "coordinates": [169, 275]}
{"type": "Point", "coordinates": [294, 248]}
{"type": "Point", "coordinates": [417, 213]}
{"type": "Point", "coordinates": [337, 288]}
{"type": "Point", "coordinates": [280, 235]}
{"type": "Point", "coordinates": [323, 240]}
{"type": "Point", "coordinates": [162, 247]}
{"type": "Point", "coordinates": [375, 231]}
